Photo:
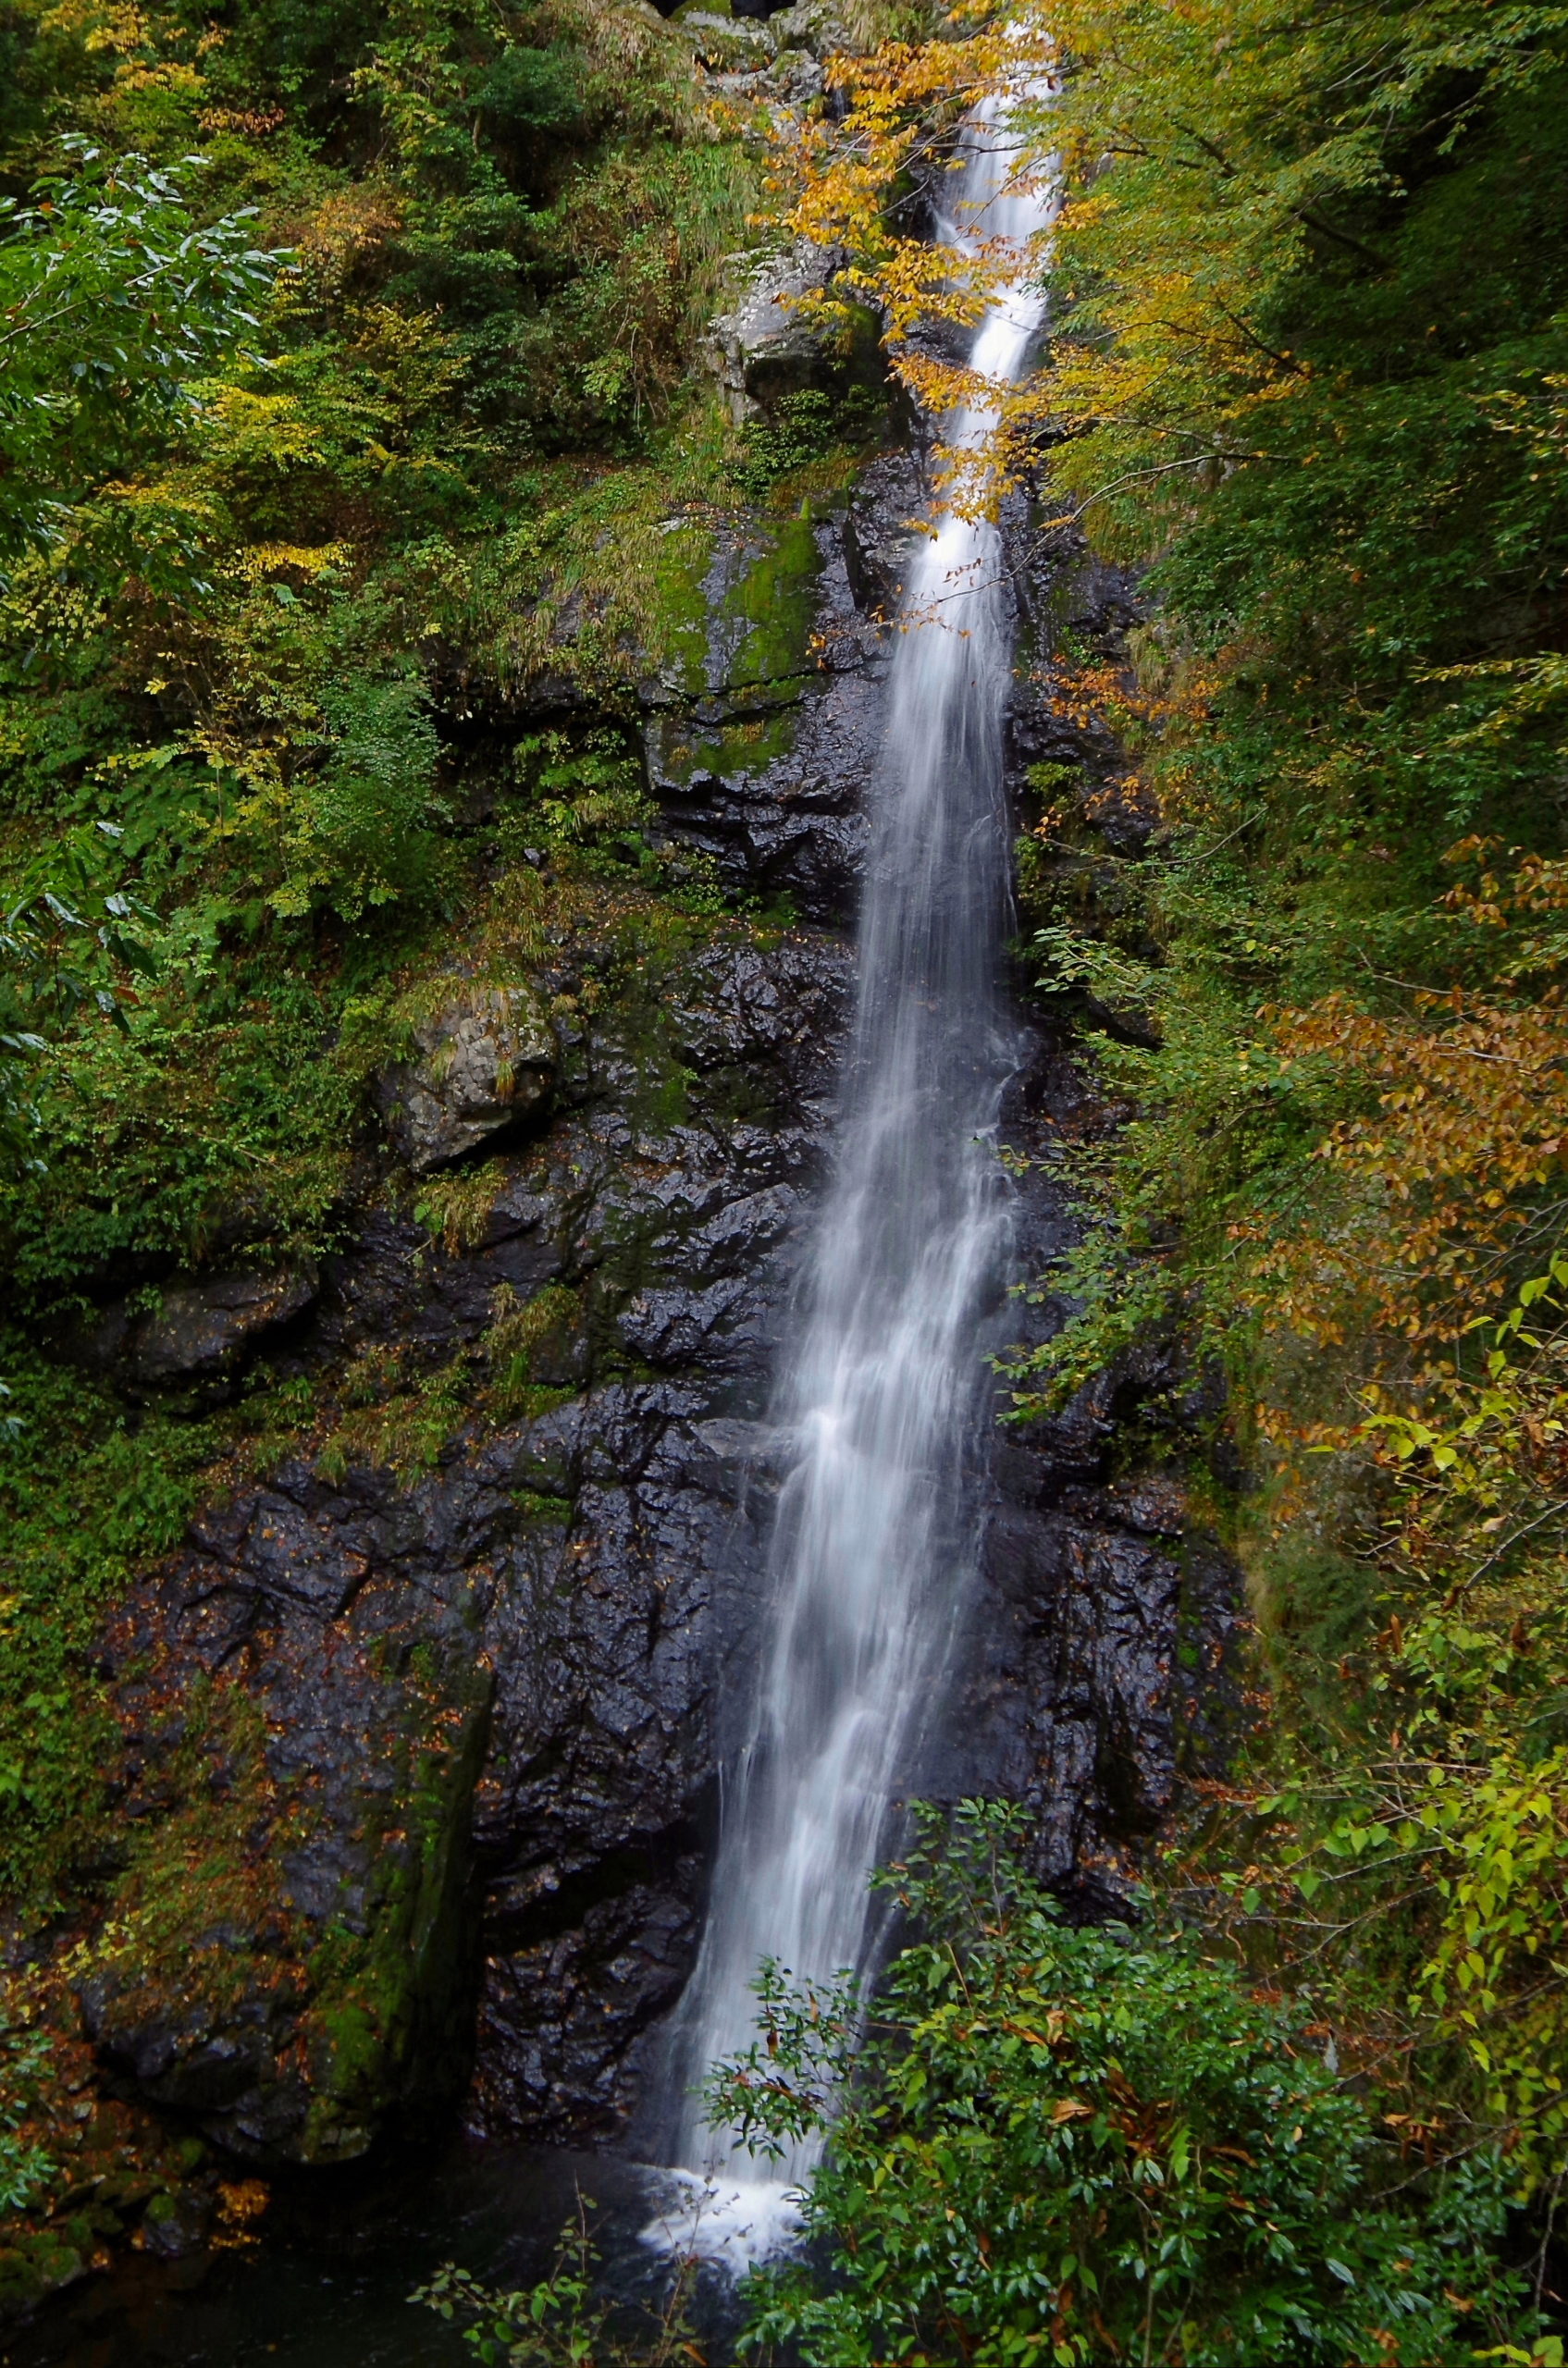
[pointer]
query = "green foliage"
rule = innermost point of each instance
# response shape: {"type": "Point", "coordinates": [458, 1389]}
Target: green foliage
{"type": "Point", "coordinates": [585, 796]}
{"type": "Point", "coordinates": [802, 429]}
{"type": "Point", "coordinates": [302, 526]}
{"type": "Point", "coordinates": [1109, 1298]}
{"type": "Point", "coordinates": [27, 2170]}
{"type": "Point", "coordinates": [63, 950]}
{"type": "Point", "coordinates": [1074, 2145]}
{"type": "Point", "coordinates": [115, 298]}
{"type": "Point", "coordinates": [562, 2322]}
{"type": "Point", "coordinates": [359, 829]}
{"type": "Point", "coordinates": [405, 1431]}
{"type": "Point", "coordinates": [530, 1345]}
{"type": "Point", "coordinates": [159, 1131]}
{"type": "Point", "coordinates": [87, 1495]}
{"type": "Point", "coordinates": [1310, 330]}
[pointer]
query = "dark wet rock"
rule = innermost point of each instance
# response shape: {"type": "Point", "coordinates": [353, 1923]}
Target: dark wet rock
{"type": "Point", "coordinates": [320, 1877]}
{"type": "Point", "coordinates": [486, 1058]}
{"type": "Point", "coordinates": [199, 1332]}
{"type": "Point", "coordinates": [289, 1957]}
{"type": "Point", "coordinates": [1108, 1670]}
{"type": "Point", "coordinates": [1106, 1639]}
{"type": "Point", "coordinates": [177, 2221]}
{"type": "Point", "coordinates": [764, 770]}
{"type": "Point", "coordinates": [882, 532]}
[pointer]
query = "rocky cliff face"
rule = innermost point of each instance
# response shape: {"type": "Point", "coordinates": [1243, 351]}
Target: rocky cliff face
{"type": "Point", "coordinates": [420, 1744]}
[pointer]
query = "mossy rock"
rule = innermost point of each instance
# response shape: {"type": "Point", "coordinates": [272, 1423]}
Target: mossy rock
{"type": "Point", "coordinates": [290, 1961]}
{"type": "Point", "coordinates": [36, 2266]}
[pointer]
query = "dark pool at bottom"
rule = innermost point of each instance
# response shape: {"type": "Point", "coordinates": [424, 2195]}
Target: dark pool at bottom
{"type": "Point", "coordinates": [328, 2283]}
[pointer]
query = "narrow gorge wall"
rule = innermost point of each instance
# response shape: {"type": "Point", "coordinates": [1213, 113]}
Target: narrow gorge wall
{"type": "Point", "coordinates": [418, 1765]}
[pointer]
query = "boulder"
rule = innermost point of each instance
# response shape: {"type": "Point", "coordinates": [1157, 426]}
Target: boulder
{"type": "Point", "coordinates": [201, 1333]}
{"type": "Point", "coordinates": [794, 78]}
{"type": "Point", "coordinates": [814, 26]}
{"type": "Point", "coordinates": [772, 345]}
{"type": "Point", "coordinates": [486, 1058]}
{"type": "Point", "coordinates": [289, 1957]}
{"type": "Point", "coordinates": [728, 47]}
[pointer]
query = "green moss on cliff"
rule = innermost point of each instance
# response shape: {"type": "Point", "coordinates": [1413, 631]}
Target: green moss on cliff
{"type": "Point", "coordinates": [361, 2006]}
{"type": "Point", "coordinates": [386, 2022]}
{"type": "Point", "coordinates": [90, 1491]}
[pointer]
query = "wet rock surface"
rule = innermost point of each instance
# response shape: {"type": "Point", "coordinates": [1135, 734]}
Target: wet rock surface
{"type": "Point", "coordinates": [763, 764]}
{"type": "Point", "coordinates": [544, 1600]}
{"type": "Point", "coordinates": [881, 535]}
{"type": "Point", "coordinates": [1102, 1652]}
{"type": "Point", "coordinates": [196, 1332]}
{"type": "Point", "coordinates": [486, 1059]}
{"type": "Point", "coordinates": [421, 1729]}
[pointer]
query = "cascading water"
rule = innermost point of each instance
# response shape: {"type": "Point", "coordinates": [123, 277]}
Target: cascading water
{"type": "Point", "coordinates": [874, 1542]}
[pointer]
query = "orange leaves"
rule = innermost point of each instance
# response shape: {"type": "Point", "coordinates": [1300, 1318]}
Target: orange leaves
{"type": "Point", "coordinates": [1442, 1198]}
{"type": "Point", "coordinates": [1471, 1119]}
{"type": "Point", "coordinates": [1468, 1125]}
{"type": "Point", "coordinates": [848, 179]}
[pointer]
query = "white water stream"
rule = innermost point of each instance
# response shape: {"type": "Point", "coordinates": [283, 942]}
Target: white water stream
{"type": "Point", "coordinates": [874, 1543]}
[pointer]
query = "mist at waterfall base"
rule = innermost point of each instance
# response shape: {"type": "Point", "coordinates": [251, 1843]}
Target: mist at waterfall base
{"type": "Point", "coordinates": [874, 1544]}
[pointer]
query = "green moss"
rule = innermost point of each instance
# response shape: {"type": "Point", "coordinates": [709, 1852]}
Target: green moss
{"type": "Point", "coordinates": [550, 1510]}
{"type": "Point", "coordinates": [681, 634]}
{"type": "Point", "coordinates": [535, 1350]}
{"type": "Point", "coordinates": [385, 2020]}
{"type": "Point", "coordinates": [407, 1432]}
{"type": "Point", "coordinates": [760, 656]}
{"type": "Point", "coordinates": [778, 598]}
{"type": "Point", "coordinates": [89, 1493]}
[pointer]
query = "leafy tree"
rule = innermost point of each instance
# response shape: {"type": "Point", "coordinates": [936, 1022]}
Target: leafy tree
{"type": "Point", "coordinates": [114, 299]}
{"type": "Point", "coordinates": [63, 949]}
{"type": "Point", "coordinates": [1066, 2146]}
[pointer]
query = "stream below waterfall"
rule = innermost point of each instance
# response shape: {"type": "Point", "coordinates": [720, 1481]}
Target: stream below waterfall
{"type": "Point", "coordinates": [326, 2281]}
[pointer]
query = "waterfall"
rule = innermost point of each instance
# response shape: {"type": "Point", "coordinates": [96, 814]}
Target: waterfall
{"type": "Point", "coordinates": [874, 1542]}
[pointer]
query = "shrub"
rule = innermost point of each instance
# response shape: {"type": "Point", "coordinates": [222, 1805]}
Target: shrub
{"type": "Point", "coordinates": [1081, 2145]}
